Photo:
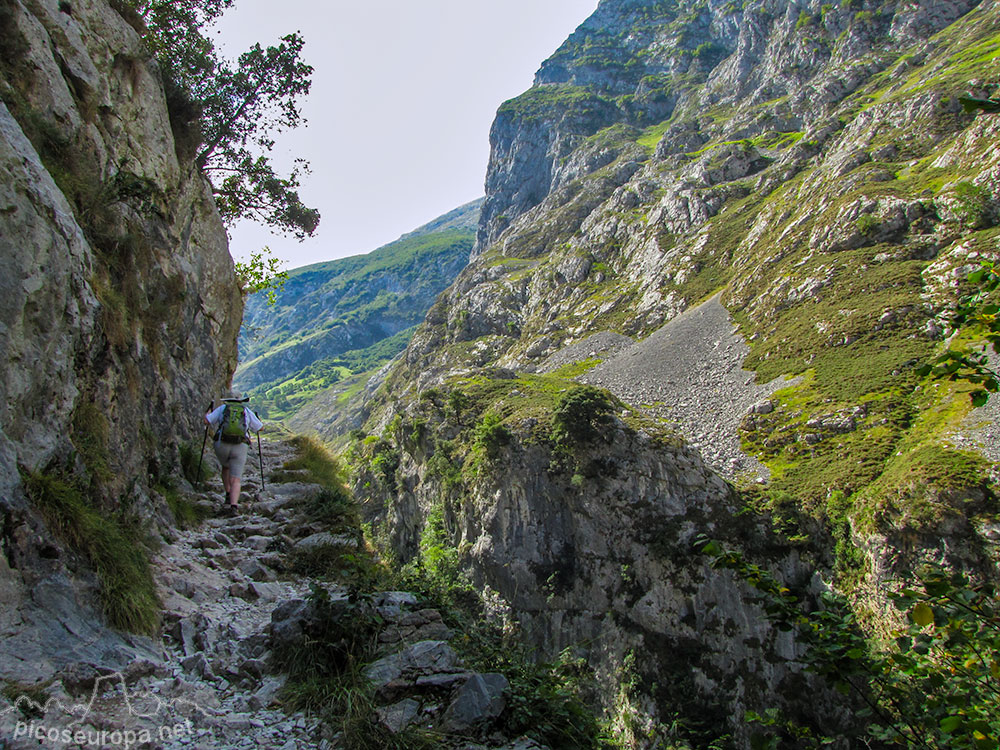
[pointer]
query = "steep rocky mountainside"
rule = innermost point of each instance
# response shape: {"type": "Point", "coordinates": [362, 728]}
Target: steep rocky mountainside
{"type": "Point", "coordinates": [811, 165]}
{"type": "Point", "coordinates": [327, 314]}
{"type": "Point", "coordinates": [119, 316]}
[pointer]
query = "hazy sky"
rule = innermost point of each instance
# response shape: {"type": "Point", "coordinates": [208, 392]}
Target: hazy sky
{"type": "Point", "coordinates": [403, 96]}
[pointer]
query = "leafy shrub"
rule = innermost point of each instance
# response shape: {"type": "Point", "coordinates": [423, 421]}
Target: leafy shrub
{"type": "Point", "coordinates": [490, 435]}
{"type": "Point", "coordinates": [384, 462]}
{"type": "Point", "coordinates": [583, 414]}
{"type": "Point", "coordinates": [458, 402]}
{"type": "Point", "coordinates": [937, 685]}
{"type": "Point", "coordinates": [972, 205]}
{"type": "Point", "coordinates": [867, 224]}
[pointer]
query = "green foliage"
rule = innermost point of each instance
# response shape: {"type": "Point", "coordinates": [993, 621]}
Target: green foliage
{"type": "Point", "coordinates": [972, 205]}
{"type": "Point", "coordinates": [322, 466]}
{"type": "Point", "coordinates": [438, 555]}
{"type": "Point", "coordinates": [458, 402]}
{"type": "Point", "coordinates": [545, 700]}
{"type": "Point", "coordinates": [384, 462]}
{"type": "Point", "coordinates": [238, 107]}
{"type": "Point", "coordinates": [582, 415]}
{"type": "Point", "coordinates": [707, 50]}
{"type": "Point", "coordinates": [490, 436]}
{"type": "Point", "coordinates": [261, 273]}
{"type": "Point", "coordinates": [127, 591]}
{"type": "Point", "coordinates": [805, 19]}
{"type": "Point", "coordinates": [849, 561]}
{"type": "Point", "coordinates": [972, 104]}
{"type": "Point", "coordinates": [867, 224]}
{"type": "Point", "coordinates": [947, 666]}
{"type": "Point", "coordinates": [937, 686]}
{"type": "Point", "coordinates": [977, 313]}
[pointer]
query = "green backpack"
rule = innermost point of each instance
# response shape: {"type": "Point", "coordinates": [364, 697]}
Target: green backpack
{"type": "Point", "coordinates": [234, 424]}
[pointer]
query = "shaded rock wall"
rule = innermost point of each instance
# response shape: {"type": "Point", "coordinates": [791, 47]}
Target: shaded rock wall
{"type": "Point", "coordinates": [596, 556]}
{"type": "Point", "coordinates": [119, 306]}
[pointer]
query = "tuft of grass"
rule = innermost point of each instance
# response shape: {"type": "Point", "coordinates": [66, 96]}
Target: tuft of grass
{"type": "Point", "coordinates": [12, 691]}
{"type": "Point", "coordinates": [190, 461]}
{"type": "Point", "coordinates": [313, 456]}
{"type": "Point", "coordinates": [326, 677]}
{"type": "Point", "coordinates": [90, 438]}
{"type": "Point", "coordinates": [187, 515]}
{"type": "Point", "coordinates": [127, 591]}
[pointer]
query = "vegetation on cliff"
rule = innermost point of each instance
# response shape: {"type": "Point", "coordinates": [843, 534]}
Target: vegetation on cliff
{"type": "Point", "coordinates": [815, 166]}
{"type": "Point", "coordinates": [226, 114]}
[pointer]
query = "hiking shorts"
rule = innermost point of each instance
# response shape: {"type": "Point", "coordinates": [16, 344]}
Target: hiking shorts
{"type": "Point", "coordinates": [232, 456]}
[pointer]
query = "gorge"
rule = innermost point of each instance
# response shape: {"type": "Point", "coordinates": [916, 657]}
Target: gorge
{"type": "Point", "coordinates": [677, 356]}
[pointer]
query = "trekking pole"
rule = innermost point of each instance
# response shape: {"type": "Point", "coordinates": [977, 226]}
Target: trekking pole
{"type": "Point", "coordinates": [204, 440]}
{"type": "Point", "coordinates": [260, 458]}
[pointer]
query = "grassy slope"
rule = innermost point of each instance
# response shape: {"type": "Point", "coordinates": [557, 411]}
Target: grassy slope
{"type": "Point", "coordinates": [372, 295]}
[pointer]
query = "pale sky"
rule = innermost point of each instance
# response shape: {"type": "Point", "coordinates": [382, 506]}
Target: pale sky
{"type": "Point", "coordinates": [403, 96]}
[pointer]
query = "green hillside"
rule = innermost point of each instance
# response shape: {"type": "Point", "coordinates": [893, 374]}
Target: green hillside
{"type": "Point", "coordinates": [347, 316]}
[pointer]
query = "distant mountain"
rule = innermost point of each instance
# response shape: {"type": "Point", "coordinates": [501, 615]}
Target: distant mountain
{"type": "Point", "coordinates": [349, 315]}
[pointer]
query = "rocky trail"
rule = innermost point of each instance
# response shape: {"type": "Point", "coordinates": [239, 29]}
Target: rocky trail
{"type": "Point", "coordinates": [230, 601]}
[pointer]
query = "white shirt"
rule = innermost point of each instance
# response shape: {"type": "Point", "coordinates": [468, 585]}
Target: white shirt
{"type": "Point", "coordinates": [253, 421]}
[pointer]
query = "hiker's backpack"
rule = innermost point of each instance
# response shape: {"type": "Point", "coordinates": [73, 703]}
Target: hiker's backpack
{"type": "Point", "coordinates": [233, 428]}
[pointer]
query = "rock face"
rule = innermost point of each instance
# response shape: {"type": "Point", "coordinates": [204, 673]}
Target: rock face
{"type": "Point", "coordinates": [594, 554]}
{"type": "Point", "coordinates": [119, 302]}
{"type": "Point", "coordinates": [802, 171]}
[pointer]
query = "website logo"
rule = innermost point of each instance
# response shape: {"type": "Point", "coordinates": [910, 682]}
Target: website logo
{"type": "Point", "coordinates": [113, 717]}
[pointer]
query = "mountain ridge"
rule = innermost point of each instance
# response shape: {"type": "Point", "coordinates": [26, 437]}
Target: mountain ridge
{"type": "Point", "coordinates": [811, 164]}
{"type": "Point", "coordinates": [356, 307]}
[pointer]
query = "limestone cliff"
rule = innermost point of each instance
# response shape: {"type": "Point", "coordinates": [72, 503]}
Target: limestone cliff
{"type": "Point", "coordinates": [809, 166]}
{"type": "Point", "coordinates": [119, 309]}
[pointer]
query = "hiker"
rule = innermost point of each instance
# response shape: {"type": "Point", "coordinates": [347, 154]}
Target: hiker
{"type": "Point", "coordinates": [233, 422]}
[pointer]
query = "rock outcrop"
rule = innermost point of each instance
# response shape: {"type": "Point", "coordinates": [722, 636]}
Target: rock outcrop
{"type": "Point", "coordinates": [120, 304]}
{"type": "Point", "coordinates": [804, 170]}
